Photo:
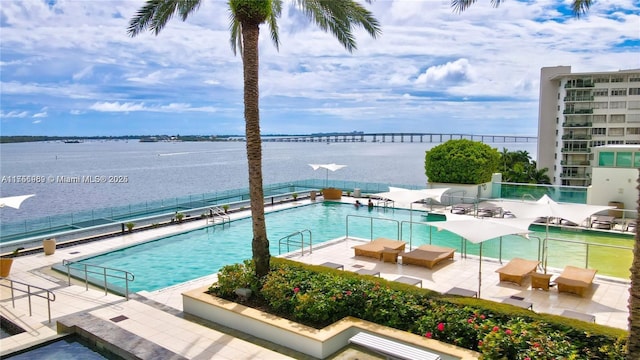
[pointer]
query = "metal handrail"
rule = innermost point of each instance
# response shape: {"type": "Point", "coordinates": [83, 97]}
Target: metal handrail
{"type": "Point", "coordinates": [50, 295]}
{"type": "Point", "coordinates": [301, 242]}
{"type": "Point", "coordinates": [220, 213]}
{"type": "Point", "coordinates": [588, 245]}
{"type": "Point", "coordinates": [372, 218]}
{"type": "Point", "coordinates": [90, 269]}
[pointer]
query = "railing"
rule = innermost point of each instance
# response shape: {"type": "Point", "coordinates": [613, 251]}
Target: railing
{"type": "Point", "coordinates": [218, 213]}
{"type": "Point", "coordinates": [371, 224]}
{"type": "Point", "coordinates": [50, 296]}
{"type": "Point", "coordinates": [104, 272]}
{"type": "Point", "coordinates": [587, 246]}
{"type": "Point", "coordinates": [288, 241]}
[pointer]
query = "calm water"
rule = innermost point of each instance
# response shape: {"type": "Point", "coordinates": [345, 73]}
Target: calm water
{"type": "Point", "coordinates": [154, 171]}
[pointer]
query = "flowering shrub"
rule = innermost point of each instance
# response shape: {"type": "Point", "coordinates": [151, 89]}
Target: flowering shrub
{"type": "Point", "coordinates": [319, 298]}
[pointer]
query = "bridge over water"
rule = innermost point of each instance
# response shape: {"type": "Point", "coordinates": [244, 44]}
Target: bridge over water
{"type": "Point", "coordinates": [396, 137]}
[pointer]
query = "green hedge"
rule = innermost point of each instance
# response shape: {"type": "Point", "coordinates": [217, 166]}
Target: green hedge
{"type": "Point", "coordinates": [319, 296]}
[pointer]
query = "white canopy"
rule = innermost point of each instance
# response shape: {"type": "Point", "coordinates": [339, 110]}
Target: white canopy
{"type": "Point", "coordinates": [547, 207]}
{"type": "Point", "coordinates": [332, 167]}
{"type": "Point", "coordinates": [478, 230]}
{"type": "Point", "coordinates": [14, 201]}
{"type": "Point", "coordinates": [408, 196]}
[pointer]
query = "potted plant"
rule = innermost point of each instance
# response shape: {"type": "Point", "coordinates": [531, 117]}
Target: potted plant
{"type": "Point", "coordinates": [130, 226]}
{"type": "Point", "coordinates": [179, 217]}
{"type": "Point", "coordinates": [294, 196]}
{"type": "Point", "coordinates": [225, 207]}
{"type": "Point", "coordinates": [7, 261]}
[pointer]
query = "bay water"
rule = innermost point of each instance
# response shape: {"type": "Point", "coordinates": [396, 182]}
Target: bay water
{"type": "Point", "coordinates": [67, 178]}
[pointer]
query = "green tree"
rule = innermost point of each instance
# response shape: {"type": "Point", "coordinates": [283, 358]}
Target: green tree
{"type": "Point", "coordinates": [461, 162]}
{"type": "Point", "coordinates": [517, 167]}
{"type": "Point", "coordinates": [580, 7]}
{"type": "Point", "coordinates": [339, 17]}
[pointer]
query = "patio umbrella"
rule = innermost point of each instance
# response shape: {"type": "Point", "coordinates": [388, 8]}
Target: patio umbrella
{"type": "Point", "coordinates": [14, 201]}
{"type": "Point", "coordinates": [549, 208]}
{"type": "Point", "coordinates": [409, 196]}
{"type": "Point", "coordinates": [479, 230]}
{"type": "Point", "coordinates": [332, 167]}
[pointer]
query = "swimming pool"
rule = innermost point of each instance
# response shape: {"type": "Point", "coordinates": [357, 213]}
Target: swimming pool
{"type": "Point", "coordinates": [183, 257]}
{"type": "Point", "coordinates": [71, 347]}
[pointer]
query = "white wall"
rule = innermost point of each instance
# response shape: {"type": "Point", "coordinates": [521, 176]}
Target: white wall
{"type": "Point", "coordinates": [613, 184]}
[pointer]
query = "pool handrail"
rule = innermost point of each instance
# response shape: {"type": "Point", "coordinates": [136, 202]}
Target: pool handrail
{"type": "Point", "coordinates": [301, 242]}
{"type": "Point", "coordinates": [50, 295]}
{"type": "Point", "coordinates": [85, 268]}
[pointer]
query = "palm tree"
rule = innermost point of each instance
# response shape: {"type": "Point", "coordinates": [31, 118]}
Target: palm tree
{"type": "Point", "coordinates": [336, 16]}
{"type": "Point", "coordinates": [580, 7]}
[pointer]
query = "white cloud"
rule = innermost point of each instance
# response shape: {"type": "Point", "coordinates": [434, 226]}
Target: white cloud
{"type": "Point", "coordinates": [40, 115]}
{"type": "Point", "coordinates": [453, 72]}
{"type": "Point", "coordinates": [131, 107]}
{"type": "Point", "coordinates": [14, 114]}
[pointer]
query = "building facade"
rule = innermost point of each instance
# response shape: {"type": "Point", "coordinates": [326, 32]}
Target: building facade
{"type": "Point", "coordinates": [580, 111]}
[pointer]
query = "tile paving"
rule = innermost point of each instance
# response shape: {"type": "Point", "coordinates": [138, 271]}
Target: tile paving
{"type": "Point", "coordinates": [156, 319]}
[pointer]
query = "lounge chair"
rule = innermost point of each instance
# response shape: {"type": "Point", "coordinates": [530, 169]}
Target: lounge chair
{"type": "Point", "coordinates": [517, 269]}
{"type": "Point", "coordinates": [462, 208]}
{"type": "Point", "coordinates": [632, 226]}
{"type": "Point", "coordinates": [376, 247]}
{"type": "Point", "coordinates": [488, 211]}
{"type": "Point", "coordinates": [602, 222]}
{"type": "Point", "coordinates": [427, 255]}
{"type": "Point", "coordinates": [575, 280]}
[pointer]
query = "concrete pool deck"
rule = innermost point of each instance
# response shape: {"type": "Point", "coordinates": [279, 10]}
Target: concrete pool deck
{"type": "Point", "coordinates": [155, 318]}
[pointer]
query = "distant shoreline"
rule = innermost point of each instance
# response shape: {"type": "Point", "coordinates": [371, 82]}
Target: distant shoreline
{"type": "Point", "coordinates": [76, 139]}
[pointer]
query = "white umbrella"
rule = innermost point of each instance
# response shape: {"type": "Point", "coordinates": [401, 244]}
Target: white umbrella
{"type": "Point", "coordinates": [14, 201]}
{"type": "Point", "coordinates": [409, 196]}
{"type": "Point", "coordinates": [547, 207]}
{"type": "Point", "coordinates": [478, 230]}
{"type": "Point", "coordinates": [332, 167]}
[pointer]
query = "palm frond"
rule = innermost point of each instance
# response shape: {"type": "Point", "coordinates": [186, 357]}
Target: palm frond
{"type": "Point", "coordinates": [462, 5]}
{"type": "Point", "coordinates": [235, 27]}
{"type": "Point", "coordinates": [155, 14]}
{"type": "Point", "coordinates": [581, 7]}
{"type": "Point", "coordinates": [339, 17]}
{"type": "Point", "coordinates": [272, 20]}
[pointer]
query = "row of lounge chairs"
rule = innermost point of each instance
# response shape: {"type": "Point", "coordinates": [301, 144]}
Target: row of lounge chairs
{"type": "Point", "coordinates": [573, 280]}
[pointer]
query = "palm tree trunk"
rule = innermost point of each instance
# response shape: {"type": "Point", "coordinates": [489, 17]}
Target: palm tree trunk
{"type": "Point", "coordinates": [260, 243]}
{"type": "Point", "coordinates": [633, 343]}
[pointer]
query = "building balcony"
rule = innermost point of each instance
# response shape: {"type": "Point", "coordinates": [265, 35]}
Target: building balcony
{"type": "Point", "coordinates": [579, 176]}
{"type": "Point", "coordinates": [576, 150]}
{"type": "Point", "coordinates": [578, 98]}
{"type": "Point", "coordinates": [573, 125]}
{"type": "Point", "coordinates": [577, 111]}
{"type": "Point", "coordinates": [576, 137]}
{"type": "Point", "coordinates": [574, 163]}
{"type": "Point", "coordinates": [579, 84]}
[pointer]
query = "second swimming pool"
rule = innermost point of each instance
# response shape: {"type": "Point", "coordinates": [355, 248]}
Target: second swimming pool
{"type": "Point", "coordinates": [183, 257]}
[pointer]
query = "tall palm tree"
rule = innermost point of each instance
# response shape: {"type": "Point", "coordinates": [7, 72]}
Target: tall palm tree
{"type": "Point", "coordinates": [336, 16]}
{"type": "Point", "coordinates": [580, 7]}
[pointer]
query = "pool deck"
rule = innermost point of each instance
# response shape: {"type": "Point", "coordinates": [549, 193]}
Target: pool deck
{"type": "Point", "coordinates": [151, 320]}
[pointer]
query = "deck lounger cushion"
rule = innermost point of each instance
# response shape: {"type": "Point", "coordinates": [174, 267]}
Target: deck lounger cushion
{"type": "Point", "coordinates": [427, 255]}
{"type": "Point", "coordinates": [602, 222]}
{"type": "Point", "coordinates": [575, 280]}
{"type": "Point", "coordinates": [517, 269]}
{"type": "Point", "coordinates": [375, 248]}
{"type": "Point", "coordinates": [462, 208]}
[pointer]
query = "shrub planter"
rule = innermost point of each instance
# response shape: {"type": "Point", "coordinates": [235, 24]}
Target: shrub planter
{"type": "Point", "coordinates": [332, 194]}
{"type": "Point", "coordinates": [5, 266]}
{"type": "Point", "coordinates": [319, 343]}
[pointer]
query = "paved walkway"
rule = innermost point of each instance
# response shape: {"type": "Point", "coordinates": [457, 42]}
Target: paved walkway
{"type": "Point", "coordinates": [154, 320]}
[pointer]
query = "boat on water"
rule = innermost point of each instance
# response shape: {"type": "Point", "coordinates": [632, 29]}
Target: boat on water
{"type": "Point", "coordinates": [72, 141]}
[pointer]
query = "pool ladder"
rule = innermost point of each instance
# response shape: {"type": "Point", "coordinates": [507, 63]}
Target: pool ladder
{"type": "Point", "coordinates": [217, 213]}
{"type": "Point", "coordinates": [30, 290]}
{"type": "Point", "coordinates": [297, 239]}
{"type": "Point", "coordinates": [85, 269]}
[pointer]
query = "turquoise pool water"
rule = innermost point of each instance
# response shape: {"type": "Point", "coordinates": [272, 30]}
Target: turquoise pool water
{"type": "Point", "coordinates": [187, 256]}
{"type": "Point", "coordinates": [68, 348]}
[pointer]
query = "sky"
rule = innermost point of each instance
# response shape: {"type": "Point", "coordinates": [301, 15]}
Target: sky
{"type": "Point", "coordinates": [69, 68]}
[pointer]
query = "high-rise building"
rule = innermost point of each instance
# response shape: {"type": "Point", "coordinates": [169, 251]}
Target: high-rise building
{"type": "Point", "coordinates": [580, 111]}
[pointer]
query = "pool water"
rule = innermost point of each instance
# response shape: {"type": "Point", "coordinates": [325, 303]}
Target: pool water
{"type": "Point", "coordinates": [183, 257]}
{"type": "Point", "coordinates": [67, 348]}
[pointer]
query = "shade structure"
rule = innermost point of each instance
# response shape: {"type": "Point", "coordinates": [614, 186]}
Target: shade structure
{"type": "Point", "coordinates": [479, 230]}
{"type": "Point", "coordinates": [549, 208]}
{"type": "Point", "coordinates": [408, 197]}
{"type": "Point", "coordinates": [332, 167]}
{"type": "Point", "coordinates": [14, 201]}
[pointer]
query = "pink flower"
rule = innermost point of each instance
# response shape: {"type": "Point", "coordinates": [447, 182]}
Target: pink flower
{"type": "Point", "coordinates": [428, 335]}
{"type": "Point", "coordinates": [296, 290]}
{"type": "Point", "coordinates": [482, 317]}
{"type": "Point", "coordinates": [508, 331]}
{"type": "Point", "coordinates": [480, 343]}
{"type": "Point", "coordinates": [441, 326]}
{"type": "Point", "coordinates": [348, 292]}
{"type": "Point", "coordinates": [527, 358]}
{"type": "Point", "coordinates": [495, 329]}
{"type": "Point", "coordinates": [469, 320]}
